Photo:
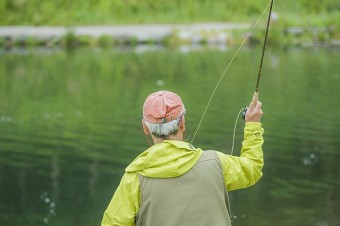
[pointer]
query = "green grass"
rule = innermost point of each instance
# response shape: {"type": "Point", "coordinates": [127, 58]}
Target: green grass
{"type": "Point", "coordinates": [324, 15]}
{"type": "Point", "coordinates": [107, 12]}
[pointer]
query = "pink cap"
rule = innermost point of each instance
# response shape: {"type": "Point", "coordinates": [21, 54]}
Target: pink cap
{"type": "Point", "coordinates": [162, 106]}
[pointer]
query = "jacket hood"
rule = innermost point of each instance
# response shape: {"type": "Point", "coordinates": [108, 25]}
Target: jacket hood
{"type": "Point", "coordinates": [171, 158]}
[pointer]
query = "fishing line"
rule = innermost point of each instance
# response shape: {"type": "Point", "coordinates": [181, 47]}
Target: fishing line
{"type": "Point", "coordinates": [224, 72]}
{"type": "Point", "coordinates": [232, 146]}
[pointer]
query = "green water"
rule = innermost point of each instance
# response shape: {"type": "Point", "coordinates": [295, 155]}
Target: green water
{"type": "Point", "coordinates": [70, 122]}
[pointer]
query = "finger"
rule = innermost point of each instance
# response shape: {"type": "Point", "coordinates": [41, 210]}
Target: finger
{"type": "Point", "coordinates": [251, 106]}
{"type": "Point", "coordinates": [258, 106]}
{"type": "Point", "coordinates": [254, 101]}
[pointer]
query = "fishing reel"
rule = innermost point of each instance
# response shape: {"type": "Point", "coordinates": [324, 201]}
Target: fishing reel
{"type": "Point", "coordinates": [244, 112]}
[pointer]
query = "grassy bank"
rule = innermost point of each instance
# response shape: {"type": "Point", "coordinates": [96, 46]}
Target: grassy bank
{"type": "Point", "coordinates": [95, 12]}
{"type": "Point", "coordinates": [297, 22]}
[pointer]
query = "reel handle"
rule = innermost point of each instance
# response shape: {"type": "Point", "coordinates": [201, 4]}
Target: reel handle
{"type": "Point", "coordinates": [244, 112]}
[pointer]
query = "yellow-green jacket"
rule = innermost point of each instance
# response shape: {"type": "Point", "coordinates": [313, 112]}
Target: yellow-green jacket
{"type": "Point", "coordinates": [174, 158]}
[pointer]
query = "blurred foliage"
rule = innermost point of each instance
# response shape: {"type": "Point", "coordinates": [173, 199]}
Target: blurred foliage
{"type": "Point", "coordinates": [76, 12]}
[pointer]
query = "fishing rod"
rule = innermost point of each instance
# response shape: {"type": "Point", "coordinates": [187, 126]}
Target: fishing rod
{"type": "Point", "coordinates": [256, 95]}
{"type": "Point", "coordinates": [243, 111]}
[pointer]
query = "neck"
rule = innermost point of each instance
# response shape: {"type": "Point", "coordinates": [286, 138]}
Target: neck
{"type": "Point", "coordinates": [178, 136]}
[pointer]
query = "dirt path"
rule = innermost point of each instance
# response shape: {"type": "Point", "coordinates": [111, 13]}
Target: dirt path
{"type": "Point", "coordinates": [140, 32]}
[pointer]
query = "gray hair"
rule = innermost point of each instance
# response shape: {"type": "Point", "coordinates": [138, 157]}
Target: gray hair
{"type": "Point", "coordinates": [162, 130]}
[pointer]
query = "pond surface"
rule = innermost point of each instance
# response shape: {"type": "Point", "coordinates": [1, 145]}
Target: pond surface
{"type": "Point", "coordinates": [70, 122]}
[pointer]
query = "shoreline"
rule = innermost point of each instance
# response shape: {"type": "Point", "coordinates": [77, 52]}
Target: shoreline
{"type": "Point", "coordinates": [162, 34]}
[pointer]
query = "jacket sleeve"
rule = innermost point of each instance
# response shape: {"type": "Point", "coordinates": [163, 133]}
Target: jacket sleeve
{"type": "Point", "coordinates": [245, 170]}
{"type": "Point", "coordinates": [124, 204]}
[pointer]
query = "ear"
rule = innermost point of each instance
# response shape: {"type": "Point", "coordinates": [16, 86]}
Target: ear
{"type": "Point", "coordinates": [182, 124]}
{"type": "Point", "coordinates": [145, 128]}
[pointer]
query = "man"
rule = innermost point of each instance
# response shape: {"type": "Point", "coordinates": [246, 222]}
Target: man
{"type": "Point", "coordinates": [174, 184]}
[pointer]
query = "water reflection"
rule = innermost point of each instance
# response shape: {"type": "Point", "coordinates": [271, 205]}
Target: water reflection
{"type": "Point", "coordinates": [70, 122]}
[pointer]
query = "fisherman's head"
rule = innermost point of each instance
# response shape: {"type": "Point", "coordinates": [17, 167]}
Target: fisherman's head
{"type": "Point", "coordinates": [163, 115]}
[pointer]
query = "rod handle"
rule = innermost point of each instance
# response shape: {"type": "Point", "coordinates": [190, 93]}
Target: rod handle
{"type": "Point", "coordinates": [255, 98]}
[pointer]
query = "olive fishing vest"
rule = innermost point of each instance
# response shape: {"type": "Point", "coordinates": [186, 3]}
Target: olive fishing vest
{"type": "Point", "coordinates": [197, 198]}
